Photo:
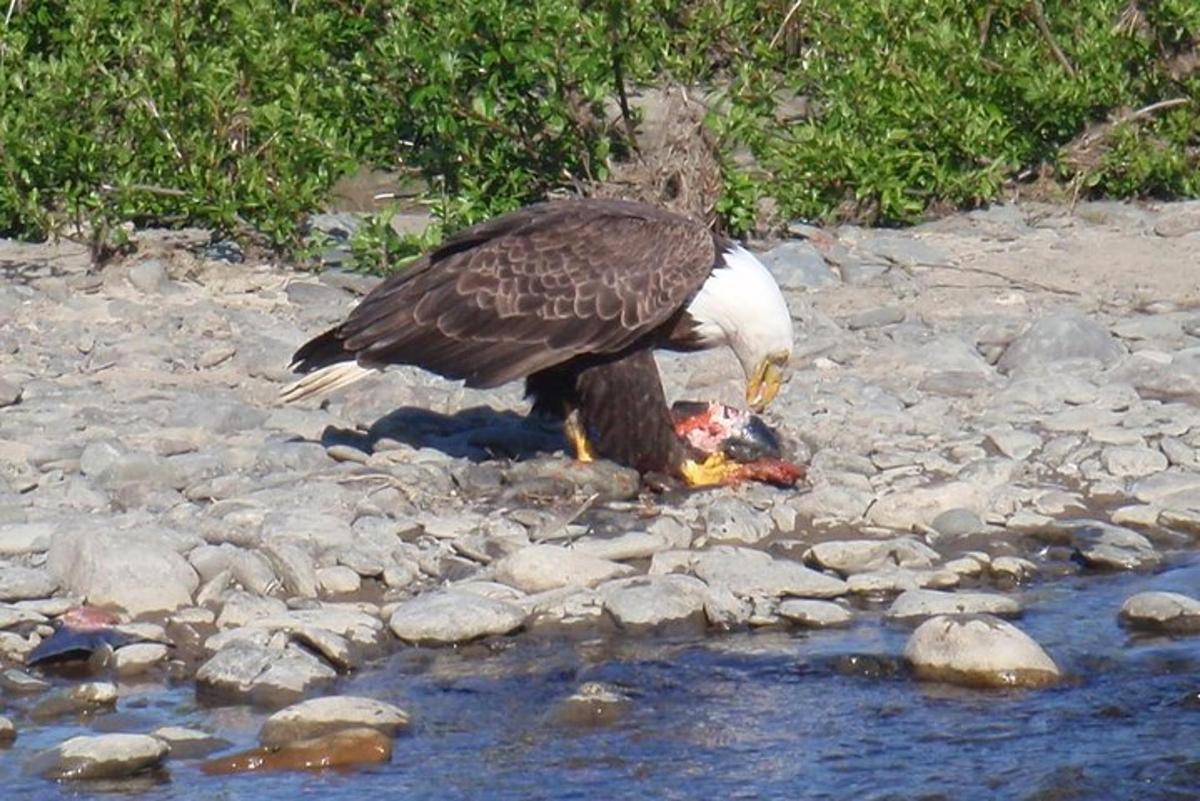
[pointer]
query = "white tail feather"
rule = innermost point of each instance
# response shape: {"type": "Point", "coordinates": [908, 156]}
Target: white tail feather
{"type": "Point", "coordinates": [327, 379]}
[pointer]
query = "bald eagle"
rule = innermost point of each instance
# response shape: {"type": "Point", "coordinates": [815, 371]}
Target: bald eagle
{"type": "Point", "coordinates": [573, 296]}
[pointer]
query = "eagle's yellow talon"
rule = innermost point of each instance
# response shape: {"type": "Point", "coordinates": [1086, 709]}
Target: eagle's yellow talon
{"type": "Point", "coordinates": [578, 439]}
{"type": "Point", "coordinates": [716, 469]}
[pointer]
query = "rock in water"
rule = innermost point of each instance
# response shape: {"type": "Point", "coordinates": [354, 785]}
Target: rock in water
{"type": "Point", "coordinates": [341, 749]}
{"type": "Point", "coordinates": [593, 705]}
{"type": "Point", "coordinates": [105, 756]}
{"type": "Point", "coordinates": [1162, 611]}
{"type": "Point", "coordinates": [978, 651]}
{"type": "Point", "coordinates": [926, 603]}
{"type": "Point", "coordinates": [320, 716]}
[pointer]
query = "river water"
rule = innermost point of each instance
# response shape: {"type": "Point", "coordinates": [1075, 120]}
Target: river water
{"type": "Point", "coordinates": [770, 714]}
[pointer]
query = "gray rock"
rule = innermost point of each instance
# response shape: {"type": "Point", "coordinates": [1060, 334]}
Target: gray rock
{"type": "Point", "coordinates": [242, 608]}
{"type": "Point", "coordinates": [860, 556]}
{"type": "Point", "coordinates": [1185, 520]}
{"type": "Point", "coordinates": [1133, 462]}
{"type": "Point", "coordinates": [909, 508]}
{"type": "Point", "coordinates": [1162, 611]}
{"type": "Point", "coordinates": [815, 614]}
{"type": "Point", "coordinates": [189, 743]}
{"type": "Point", "coordinates": [103, 756]}
{"type": "Point", "coordinates": [749, 573]}
{"type": "Point", "coordinates": [875, 318]}
{"type": "Point", "coordinates": [23, 583]}
{"type": "Point", "coordinates": [1169, 484]}
{"type": "Point", "coordinates": [294, 566]}
{"type": "Point", "coordinates": [546, 567]}
{"type": "Point", "coordinates": [954, 523]}
{"type": "Point", "coordinates": [10, 393]}
{"type": "Point", "coordinates": [149, 276]}
{"type": "Point", "coordinates": [452, 617]}
{"type": "Point", "coordinates": [136, 573]}
{"type": "Point", "coordinates": [797, 265]}
{"type": "Point", "coordinates": [22, 538]}
{"type": "Point", "coordinates": [733, 520]}
{"type": "Point", "coordinates": [1057, 337]}
{"type": "Point", "coordinates": [1105, 546]}
{"type": "Point", "coordinates": [1160, 376]}
{"type": "Point", "coordinates": [978, 651]}
{"type": "Point", "coordinates": [649, 601]}
{"type": "Point", "coordinates": [245, 671]}
{"type": "Point", "coordinates": [926, 603]}
{"type": "Point", "coordinates": [629, 545]}
{"type": "Point", "coordinates": [339, 580]}
{"type": "Point", "coordinates": [320, 716]}
{"type": "Point", "coordinates": [8, 731]}
{"type": "Point", "coordinates": [138, 658]}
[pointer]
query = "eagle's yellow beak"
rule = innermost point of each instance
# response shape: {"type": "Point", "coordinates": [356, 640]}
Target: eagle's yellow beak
{"type": "Point", "coordinates": [763, 385]}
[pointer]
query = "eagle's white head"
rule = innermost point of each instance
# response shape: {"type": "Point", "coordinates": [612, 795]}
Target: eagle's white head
{"type": "Point", "coordinates": [740, 305]}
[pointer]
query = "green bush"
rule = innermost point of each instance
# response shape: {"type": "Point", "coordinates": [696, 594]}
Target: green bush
{"type": "Point", "coordinates": [241, 114]}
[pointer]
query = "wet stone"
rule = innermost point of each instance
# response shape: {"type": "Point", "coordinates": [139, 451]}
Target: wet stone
{"type": "Point", "coordinates": [815, 614]}
{"type": "Point", "coordinates": [339, 750]}
{"type": "Point", "coordinates": [188, 743]}
{"type": "Point", "coordinates": [860, 556]}
{"type": "Point", "coordinates": [104, 756]}
{"type": "Point", "coordinates": [912, 604]}
{"type": "Point", "coordinates": [132, 660]}
{"type": "Point", "coordinates": [1162, 611]}
{"type": "Point", "coordinates": [8, 731]}
{"type": "Point", "coordinates": [594, 704]}
{"type": "Point", "coordinates": [321, 716]}
{"type": "Point", "coordinates": [1105, 546]}
{"type": "Point", "coordinates": [978, 651]}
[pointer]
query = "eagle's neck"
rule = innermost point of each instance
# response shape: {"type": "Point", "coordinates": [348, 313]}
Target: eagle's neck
{"type": "Point", "coordinates": [740, 305]}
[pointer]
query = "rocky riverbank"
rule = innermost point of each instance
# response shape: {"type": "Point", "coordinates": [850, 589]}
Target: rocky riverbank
{"type": "Point", "coordinates": [987, 402]}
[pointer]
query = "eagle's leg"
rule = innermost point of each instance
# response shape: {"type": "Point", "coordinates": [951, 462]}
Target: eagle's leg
{"type": "Point", "coordinates": [577, 436]}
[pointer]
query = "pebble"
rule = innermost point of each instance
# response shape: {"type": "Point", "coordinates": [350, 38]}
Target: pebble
{"type": "Point", "coordinates": [448, 617]}
{"type": "Point", "coordinates": [320, 716]}
{"type": "Point", "coordinates": [1162, 611]}
{"type": "Point", "coordinates": [103, 756]}
{"type": "Point", "coordinates": [149, 276]}
{"type": "Point", "coordinates": [978, 651]}
{"type": "Point", "coordinates": [733, 520]}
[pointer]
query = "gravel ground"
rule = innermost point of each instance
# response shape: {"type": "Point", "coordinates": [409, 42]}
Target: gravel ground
{"type": "Point", "coordinates": [985, 401]}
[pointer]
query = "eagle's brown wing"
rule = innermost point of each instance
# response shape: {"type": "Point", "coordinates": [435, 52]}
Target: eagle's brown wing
{"type": "Point", "coordinates": [527, 291]}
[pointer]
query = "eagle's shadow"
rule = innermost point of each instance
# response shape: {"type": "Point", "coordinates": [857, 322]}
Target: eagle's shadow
{"type": "Point", "coordinates": [479, 433]}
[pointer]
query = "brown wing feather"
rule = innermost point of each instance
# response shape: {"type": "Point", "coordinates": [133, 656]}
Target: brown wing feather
{"type": "Point", "coordinates": [530, 290]}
